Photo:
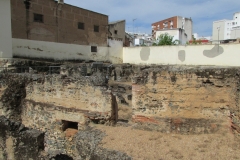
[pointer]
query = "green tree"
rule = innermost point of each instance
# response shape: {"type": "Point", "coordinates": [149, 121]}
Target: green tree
{"type": "Point", "coordinates": [194, 40]}
{"type": "Point", "coordinates": [165, 39]}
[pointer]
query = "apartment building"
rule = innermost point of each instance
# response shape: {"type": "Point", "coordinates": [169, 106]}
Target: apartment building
{"type": "Point", "coordinates": [226, 30]}
{"type": "Point", "coordinates": [55, 21]}
{"type": "Point", "coordinates": [174, 23]}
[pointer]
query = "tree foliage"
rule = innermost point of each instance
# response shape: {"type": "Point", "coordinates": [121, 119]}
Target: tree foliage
{"type": "Point", "coordinates": [165, 39]}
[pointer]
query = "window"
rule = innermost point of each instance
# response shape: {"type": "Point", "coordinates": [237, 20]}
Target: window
{"type": "Point", "coordinates": [38, 18]}
{"type": "Point", "coordinates": [96, 28]}
{"type": "Point", "coordinates": [80, 25]}
{"type": "Point", "coordinates": [93, 48]}
{"type": "Point", "coordinates": [233, 23]}
{"type": "Point", "coordinates": [115, 31]}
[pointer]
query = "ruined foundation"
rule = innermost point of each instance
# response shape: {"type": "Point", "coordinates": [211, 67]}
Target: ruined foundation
{"type": "Point", "coordinates": [50, 115]}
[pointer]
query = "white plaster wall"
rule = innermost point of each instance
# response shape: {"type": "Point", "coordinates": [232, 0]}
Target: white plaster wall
{"type": "Point", "coordinates": [62, 51]}
{"type": "Point", "coordinates": [5, 29]}
{"type": "Point", "coordinates": [171, 32]}
{"type": "Point", "coordinates": [235, 33]}
{"type": "Point", "coordinates": [115, 51]}
{"type": "Point", "coordinates": [177, 35]}
{"type": "Point", "coordinates": [225, 55]}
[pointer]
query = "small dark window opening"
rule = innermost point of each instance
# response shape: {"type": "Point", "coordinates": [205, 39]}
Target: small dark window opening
{"type": "Point", "coordinates": [61, 157]}
{"type": "Point", "coordinates": [96, 28]}
{"type": "Point", "coordinates": [129, 97]}
{"type": "Point", "coordinates": [115, 31]}
{"type": "Point", "coordinates": [38, 18]}
{"type": "Point", "coordinates": [80, 25]}
{"type": "Point", "coordinates": [93, 48]}
{"type": "Point", "coordinates": [69, 124]}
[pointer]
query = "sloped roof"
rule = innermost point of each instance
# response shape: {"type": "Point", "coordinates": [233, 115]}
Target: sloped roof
{"type": "Point", "coordinates": [114, 22]}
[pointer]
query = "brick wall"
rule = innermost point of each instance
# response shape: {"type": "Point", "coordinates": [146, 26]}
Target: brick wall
{"type": "Point", "coordinates": [60, 23]}
{"type": "Point", "coordinates": [161, 26]}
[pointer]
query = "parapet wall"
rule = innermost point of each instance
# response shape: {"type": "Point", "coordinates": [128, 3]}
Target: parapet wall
{"type": "Point", "coordinates": [215, 55]}
{"type": "Point", "coordinates": [62, 51]}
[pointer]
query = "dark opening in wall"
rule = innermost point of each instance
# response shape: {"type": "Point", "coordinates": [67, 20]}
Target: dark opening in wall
{"type": "Point", "coordinates": [69, 124]}
{"type": "Point", "coordinates": [61, 157]}
{"type": "Point", "coordinates": [115, 31]}
{"type": "Point", "coordinates": [129, 97]}
{"type": "Point", "coordinates": [80, 25]}
{"type": "Point", "coordinates": [93, 48]}
{"type": "Point", "coordinates": [38, 18]}
{"type": "Point", "coordinates": [96, 28]}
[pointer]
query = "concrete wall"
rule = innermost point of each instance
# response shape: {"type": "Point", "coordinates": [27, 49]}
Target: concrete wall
{"type": "Point", "coordinates": [223, 55]}
{"type": "Point", "coordinates": [62, 51]}
{"type": "Point", "coordinates": [115, 51]}
{"type": "Point", "coordinates": [5, 29]}
{"type": "Point", "coordinates": [235, 33]}
{"type": "Point", "coordinates": [60, 23]}
{"type": "Point", "coordinates": [118, 26]}
{"type": "Point", "coordinates": [188, 27]}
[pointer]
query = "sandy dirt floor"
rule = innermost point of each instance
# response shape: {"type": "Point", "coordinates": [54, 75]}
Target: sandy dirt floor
{"type": "Point", "coordinates": [151, 145]}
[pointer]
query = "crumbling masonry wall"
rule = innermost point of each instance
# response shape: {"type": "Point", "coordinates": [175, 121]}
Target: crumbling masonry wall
{"type": "Point", "coordinates": [18, 142]}
{"type": "Point", "coordinates": [43, 102]}
{"type": "Point", "coordinates": [187, 101]}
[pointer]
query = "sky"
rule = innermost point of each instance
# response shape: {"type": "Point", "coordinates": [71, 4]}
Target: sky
{"type": "Point", "coordinates": [146, 12]}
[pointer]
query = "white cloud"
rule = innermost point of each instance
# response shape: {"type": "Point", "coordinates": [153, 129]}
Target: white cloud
{"type": "Point", "coordinates": [150, 11]}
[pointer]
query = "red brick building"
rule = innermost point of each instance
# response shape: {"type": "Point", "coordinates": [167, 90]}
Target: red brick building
{"type": "Point", "coordinates": [168, 23]}
{"type": "Point", "coordinates": [49, 20]}
{"type": "Point", "coordinates": [175, 22]}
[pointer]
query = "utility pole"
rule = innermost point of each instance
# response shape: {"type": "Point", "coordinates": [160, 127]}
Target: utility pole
{"type": "Point", "coordinates": [133, 24]}
{"type": "Point", "coordinates": [218, 28]}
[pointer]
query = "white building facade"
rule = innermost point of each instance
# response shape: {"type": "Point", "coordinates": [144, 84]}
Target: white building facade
{"type": "Point", "coordinates": [224, 30]}
{"type": "Point", "coordinates": [177, 34]}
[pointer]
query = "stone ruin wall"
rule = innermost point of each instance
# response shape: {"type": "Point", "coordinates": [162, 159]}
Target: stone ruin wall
{"type": "Point", "coordinates": [71, 99]}
{"type": "Point", "coordinates": [46, 102]}
{"type": "Point", "coordinates": [187, 101]}
{"type": "Point", "coordinates": [168, 99]}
